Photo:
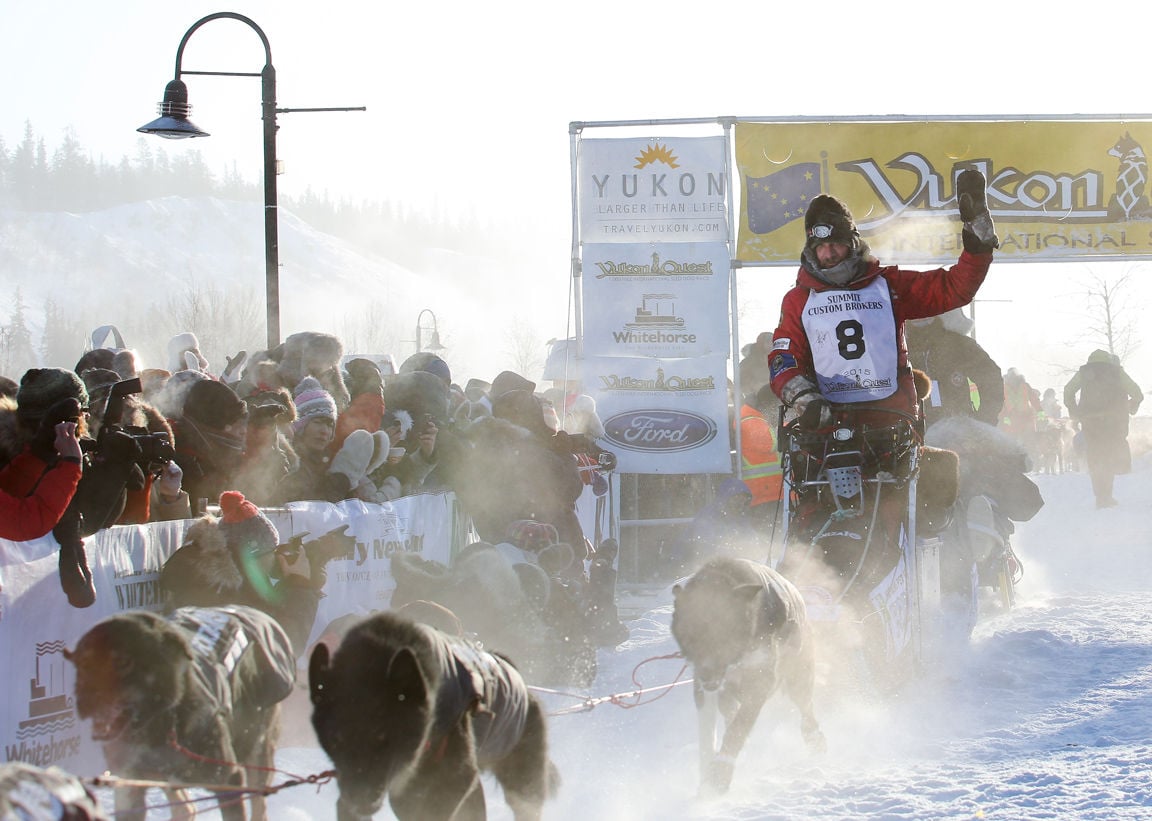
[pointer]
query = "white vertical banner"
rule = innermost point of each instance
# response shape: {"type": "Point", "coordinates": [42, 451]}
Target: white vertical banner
{"type": "Point", "coordinates": [663, 415]}
{"type": "Point", "coordinates": [663, 300]}
{"type": "Point", "coordinates": [653, 190]}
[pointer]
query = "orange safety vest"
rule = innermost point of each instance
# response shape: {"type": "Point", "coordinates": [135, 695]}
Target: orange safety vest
{"type": "Point", "coordinates": [759, 457]}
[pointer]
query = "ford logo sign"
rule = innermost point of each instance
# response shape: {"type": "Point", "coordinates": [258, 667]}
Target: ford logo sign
{"type": "Point", "coordinates": [659, 431]}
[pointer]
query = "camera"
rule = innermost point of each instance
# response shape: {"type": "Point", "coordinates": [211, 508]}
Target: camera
{"type": "Point", "coordinates": [155, 447]}
{"type": "Point", "coordinates": [427, 422]}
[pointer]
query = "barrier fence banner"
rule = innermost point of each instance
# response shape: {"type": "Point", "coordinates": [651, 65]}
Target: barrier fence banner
{"type": "Point", "coordinates": [653, 190]}
{"type": "Point", "coordinates": [38, 723]}
{"type": "Point", "coordinates": [663, 415]}
{"type": "Point", "coordinates": [1057, 190]}
{"type": "Point", "coordinates": [667, 300]}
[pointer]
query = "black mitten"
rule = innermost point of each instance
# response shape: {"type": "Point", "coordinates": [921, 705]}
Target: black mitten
{"type": "Point", "coordinates": [979, 234]}
{"type": "Point", "coordinates": [75, 577]}
{"type": "Point", "coordinates": [817, 415]}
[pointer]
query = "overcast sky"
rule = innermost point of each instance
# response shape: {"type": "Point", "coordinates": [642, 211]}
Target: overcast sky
{"type": "Point", "coordinates": [469, 104]}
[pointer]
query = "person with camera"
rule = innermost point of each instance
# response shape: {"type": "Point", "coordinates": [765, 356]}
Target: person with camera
{"type": "Point", "coordinates": [160, 496]}
{"type": "Point", "coordinates": [47, 397]}
{"type": "Point", "coordinates": [39, 481]}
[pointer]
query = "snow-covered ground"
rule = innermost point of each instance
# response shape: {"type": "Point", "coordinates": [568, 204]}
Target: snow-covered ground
{"type": "Point", "coordinates": [1047, 714]}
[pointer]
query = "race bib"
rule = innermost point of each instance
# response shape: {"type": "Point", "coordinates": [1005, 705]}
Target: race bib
{"type": "Point", "coordinates": [852, 336]}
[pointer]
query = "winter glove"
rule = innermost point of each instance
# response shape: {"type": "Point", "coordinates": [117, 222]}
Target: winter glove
{"type": "Point", "coordinates": [979, 234]}
{"type": "Point", "coordinates": [817, 414]}
{"type": "Point", "coordinates": [75, 577]}
{"type": "Point", "coordinates": [810, 410]}
{"type": "Point", "coordinates": [381, 445]}
{"type": "Point", "coordinates": [354, 457]}
{"type": "Point", "coordinates": [169, 482]}
{"type": "Point", "coordinates": [231, 373]}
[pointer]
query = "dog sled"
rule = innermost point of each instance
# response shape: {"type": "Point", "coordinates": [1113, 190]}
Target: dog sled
{"type": "Point", "coordinates": [866, 509]}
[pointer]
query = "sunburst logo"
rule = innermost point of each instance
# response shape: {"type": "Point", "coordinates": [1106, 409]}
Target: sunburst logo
{"type": "Point", "coordinates": [656, 153]}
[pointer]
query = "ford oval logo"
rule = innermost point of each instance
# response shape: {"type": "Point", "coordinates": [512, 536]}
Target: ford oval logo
{"type": "Point", "coordinates": [659, 431]}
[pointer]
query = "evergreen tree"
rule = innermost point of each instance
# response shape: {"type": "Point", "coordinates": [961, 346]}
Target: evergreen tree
{"type": "Point", "coordinates": [17, 354]}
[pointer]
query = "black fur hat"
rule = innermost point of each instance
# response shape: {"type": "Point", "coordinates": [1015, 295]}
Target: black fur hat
{"type": "Point", "coordinates": [829, 220]}
{"type": "Point", "coordinates": [40, 388]}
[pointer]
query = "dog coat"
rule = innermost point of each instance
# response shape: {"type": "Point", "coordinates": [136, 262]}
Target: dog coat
{"type": "Point", "coordinates": [238, 647]}
{"type": "Point", "coordinates": [488, 685]}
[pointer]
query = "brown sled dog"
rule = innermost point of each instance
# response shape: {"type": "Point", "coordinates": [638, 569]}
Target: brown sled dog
{"type": "Point", "coordinates": [744, 629]}
{"type": "Point", "coordinates": [191, 698]}
{"type": "Point", "coordinates": [406, 711]}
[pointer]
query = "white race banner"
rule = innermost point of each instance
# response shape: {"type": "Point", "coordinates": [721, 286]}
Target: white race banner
{"type": "Point", "coordinates": [38, 722]}
{"type": "Point", "coordinates": [671, 189]}
{"type": "Point", "coordinates": [667, 300]}
{"type": "Point", "coordinates": [663, 415]}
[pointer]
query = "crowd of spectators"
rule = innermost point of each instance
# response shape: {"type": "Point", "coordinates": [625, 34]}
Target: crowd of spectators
{"type": "Point", "coordinates": [111, 441]}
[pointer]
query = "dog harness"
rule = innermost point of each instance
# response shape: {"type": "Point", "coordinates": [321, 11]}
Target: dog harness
{"type": "Point", "coordinates": [485, 684]}
{"type": "Point", "coordinates": [220, 637]}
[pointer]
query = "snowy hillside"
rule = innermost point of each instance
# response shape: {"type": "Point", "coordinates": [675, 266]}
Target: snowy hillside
{"type": "Point", "coordinates": [130, 265]}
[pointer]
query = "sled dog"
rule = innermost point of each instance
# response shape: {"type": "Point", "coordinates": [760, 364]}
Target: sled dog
{"type": "Point", "coordinates": [744, 629]}
{"type": "Point", "coordinates": [406, 711]}
{"type": "Point", "coordinates": [190, 697]}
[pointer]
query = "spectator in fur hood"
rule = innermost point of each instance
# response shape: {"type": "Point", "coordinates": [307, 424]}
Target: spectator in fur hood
{"type": "Point", "coordinates": [210, 436]}
{"type": "Point", "coordinates": [237, 558]}
{"type": "Point", "coordinates": [303, 354]}
{"type": "Point", "coordinates": [184, 353]}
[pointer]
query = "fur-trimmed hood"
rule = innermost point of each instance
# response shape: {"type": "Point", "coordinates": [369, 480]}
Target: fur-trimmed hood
{"type": "Point", "coordinates": [202, 572]}
{"type": "Point", "coordinates": [12, 436]}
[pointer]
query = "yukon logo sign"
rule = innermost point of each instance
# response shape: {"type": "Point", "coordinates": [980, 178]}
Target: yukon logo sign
{"type": "Point", "coordinates": [659, 431]}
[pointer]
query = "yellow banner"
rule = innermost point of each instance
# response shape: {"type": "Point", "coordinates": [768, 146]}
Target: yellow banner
{"type": "Point", "coordinates": [1057, 190]}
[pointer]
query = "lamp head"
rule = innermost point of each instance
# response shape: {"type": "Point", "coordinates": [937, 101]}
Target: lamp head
{"type": "Point", "coordinates": [173, 122]}
{"type": "Point", "coordinates": [434, 345]}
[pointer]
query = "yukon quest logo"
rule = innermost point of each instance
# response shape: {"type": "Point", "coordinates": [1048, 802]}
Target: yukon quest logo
{"type": "Point", "coordinates": [659, 431]}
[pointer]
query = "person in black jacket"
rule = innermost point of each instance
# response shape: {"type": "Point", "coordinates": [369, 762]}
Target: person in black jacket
{"type": "Point", "coordinates": [940, 346]}
{"type": "Point", "coordinates": [1107, 397]}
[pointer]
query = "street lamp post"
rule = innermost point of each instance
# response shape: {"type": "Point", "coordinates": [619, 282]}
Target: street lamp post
{"type": "Point", "coordinates": [173, 124]}
{"type": "Point", "coordinates": [434, 343]}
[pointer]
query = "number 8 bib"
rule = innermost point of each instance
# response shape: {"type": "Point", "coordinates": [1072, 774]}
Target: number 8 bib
{"type": "Point", "coordinates": [852, 336]}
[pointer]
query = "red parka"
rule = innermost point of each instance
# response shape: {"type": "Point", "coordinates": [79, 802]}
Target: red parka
{"type": "Point", "coordinates": [33, 496]}
{"type": "Point", "coordinates": [914, 295]}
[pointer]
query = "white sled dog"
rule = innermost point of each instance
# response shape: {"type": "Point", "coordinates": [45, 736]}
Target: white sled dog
{"type": "Point", "coordinates": [744, 629]}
